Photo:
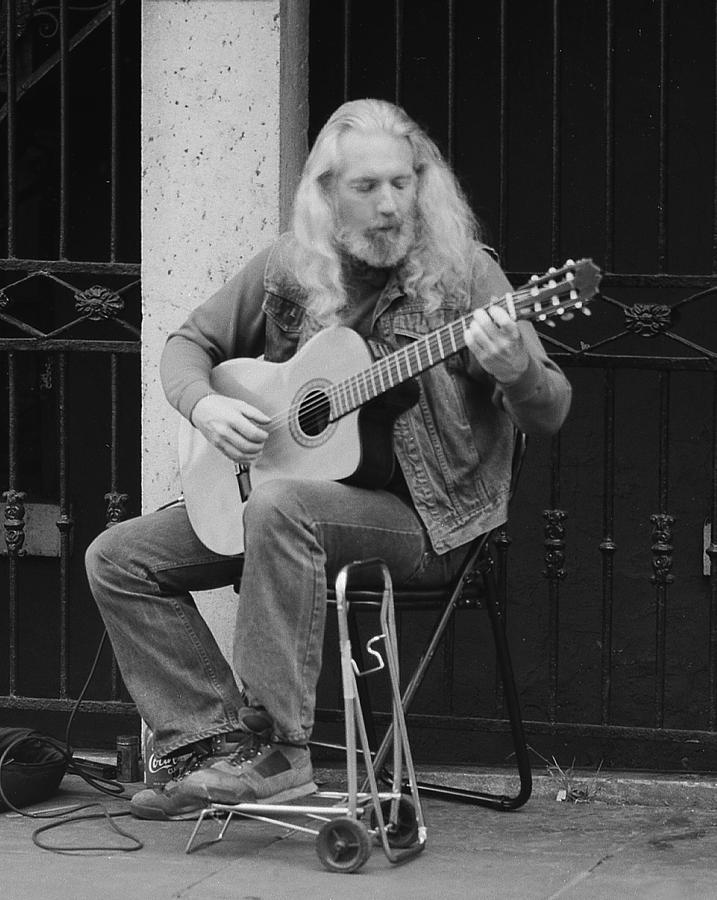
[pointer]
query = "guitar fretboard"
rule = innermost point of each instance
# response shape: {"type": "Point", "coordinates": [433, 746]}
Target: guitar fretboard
{"type": "Point", "coordinates": [553, 294]}
{"type": "Point", "coordinates": [399, 366]}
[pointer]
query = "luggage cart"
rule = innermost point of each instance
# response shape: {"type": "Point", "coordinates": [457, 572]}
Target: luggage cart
{"type": "Point", "coordinates": [348, 822]}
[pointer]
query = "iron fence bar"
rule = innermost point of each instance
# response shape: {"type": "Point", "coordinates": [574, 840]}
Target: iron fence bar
{"type": "Point", "coordinates": [660, 363]}
{"type": "Point", "coordinates": [554, 571]}
{"type": "Point", "coordinates": [11, 87]}
{"type": "Point", "coordinates": [398, 48]}
{"type": "Point", "coordinates": [451, 86]}
{"type": "Point", "coordinates": [608, 545]}
{"type": "Point", "coordinates": [14, 528]}
{"type": "Point", "coordinates": [67, 704]}
{"type": "Point", "coordinates": [555, 138]}
{"type": "Point", "coordinates": [64, 131]}
{"type": "Point", "coordinates": [114, 123]}
{"type": "Point", "coordinates": [64, 522]}
{"type": "Point", "coordinates": [711, 551]}
{"type": "Point", "coordinates": [347, 48]}
{"type": "Point", "coordinates": [693, 737]}
{"type": "Point", "coordinates": [659, 280]}
{"type": "Point", "coordinates": [82, 267]}
{"type": "Point", "coordinates": [77, 346]}
{"type": "Point", "coordinates": [114, 433]}
{"type": "Point", "coordinates": [609, 136]}
{"type": "Point", "coordinates": [114, 497]}
{"type": "Point", "coordinates": [662, 143]}
{"type": "Point", "coordinates": [712, 556]}
{"type": "Point", "coordinates": [503, 136]}
{"type": "Point", "coordinates": [714, 159]}
{"type": "Point", "coordinates": [662, 548]}
{"type": "Point", "coordinates": [502, 546]}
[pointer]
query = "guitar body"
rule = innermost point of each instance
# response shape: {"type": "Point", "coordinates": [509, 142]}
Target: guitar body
{"type": "Point", "coordinates": [302, 443]}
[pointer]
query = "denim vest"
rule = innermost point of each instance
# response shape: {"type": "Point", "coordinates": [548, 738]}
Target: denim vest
{"type": "Point", "coordinates": [455, 445]}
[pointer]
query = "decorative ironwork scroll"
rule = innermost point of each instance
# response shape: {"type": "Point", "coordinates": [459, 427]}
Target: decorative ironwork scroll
{"type": "Point", "coordinates": [554, 543]}
{"type": "Point", "coordinates": [116, 507]}
{"type": "Point", "coordinates": [14, 522]}
{"type": "Point", "coordinates": [648, 319]}
{"type": "Point", "coordinates": [662, 548]}
{"type": "Point", "coordinates": [98, 302]}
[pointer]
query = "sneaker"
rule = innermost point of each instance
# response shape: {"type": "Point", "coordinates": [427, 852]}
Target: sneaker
{"type": "Point", "coordinates": [168, 802]}
{"type": "Point", "coordinates": [258, 770]}
{"type": "Point", "coordinates": [163, 802]}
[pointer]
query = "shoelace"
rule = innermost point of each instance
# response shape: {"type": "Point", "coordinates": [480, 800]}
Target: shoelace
{"type": "Point", "coordinates": [248, 749]}
{"type": "Point", "coordinates": [182, 767]}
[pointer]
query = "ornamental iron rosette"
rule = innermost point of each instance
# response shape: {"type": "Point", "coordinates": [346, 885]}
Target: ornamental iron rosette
{"type": "Point", "coordinates": [554, 544]}
{"type": "Point", "coordinates": [116, 508]}
{"type": "Point", "coordinates": [14, 521]}
{"type": "Point", "coordinates": [648, 319]}
{"type": "Point", "coordinates": [662, 548]}
{"type": "Point", "coordinates": [98, 302]}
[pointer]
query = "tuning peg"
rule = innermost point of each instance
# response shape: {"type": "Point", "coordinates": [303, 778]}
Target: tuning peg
{"type": "Point", "coordinates": [568, 316]}
{"type": "Point", "coordinates": [569, 262]}
{"type": "Point", "coordinates": [586, 311]}
{"type": "Point", "coordinates": [550, 323]}
{"type": "Point", "coordinates": [535, 277]}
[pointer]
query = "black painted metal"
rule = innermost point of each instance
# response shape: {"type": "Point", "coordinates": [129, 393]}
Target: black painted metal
{"type": "Point", "coordinates": [63, 338]}
{"type": "Point", "coordinates": [622, 79]}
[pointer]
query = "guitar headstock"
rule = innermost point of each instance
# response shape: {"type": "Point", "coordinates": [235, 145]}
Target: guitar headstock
{"type": "Point", "coordinates": [556, 293]}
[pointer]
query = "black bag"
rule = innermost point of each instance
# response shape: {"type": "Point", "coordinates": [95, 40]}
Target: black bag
{"type": "Point", "coordinates": [32, 765]}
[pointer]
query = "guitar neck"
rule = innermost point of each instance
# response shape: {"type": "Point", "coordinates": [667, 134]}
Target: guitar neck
{"type": "Point", "coordinates": [398, 367]}
{"type": "Point", "coordinates": [544, 298]}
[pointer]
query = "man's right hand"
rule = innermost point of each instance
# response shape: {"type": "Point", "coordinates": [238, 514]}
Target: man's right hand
{"type": "Point", "coordinates": [232, 426]}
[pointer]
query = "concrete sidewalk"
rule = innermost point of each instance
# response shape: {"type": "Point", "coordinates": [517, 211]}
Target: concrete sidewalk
{"type": "Point", "coordinates": [664, 846]}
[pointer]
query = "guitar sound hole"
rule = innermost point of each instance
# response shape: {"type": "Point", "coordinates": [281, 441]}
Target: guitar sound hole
{"type": "Point", "coordinates": [314, 413]}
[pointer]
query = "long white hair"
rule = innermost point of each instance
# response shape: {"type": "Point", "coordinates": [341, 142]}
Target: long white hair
{"type": "Point", "coordinates": [439, 262]}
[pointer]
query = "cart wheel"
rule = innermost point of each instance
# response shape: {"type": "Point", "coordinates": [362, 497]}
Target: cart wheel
{"type": "Point", "coordinates": [404, 833]}
{"type": "Point", "coordinates": [342, 845]}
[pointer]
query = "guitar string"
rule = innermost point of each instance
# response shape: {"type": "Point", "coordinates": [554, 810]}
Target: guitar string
{"type": "Point", "coordinates": [315, 409]}
{"type": "Point", "coordinates": [312, 411]}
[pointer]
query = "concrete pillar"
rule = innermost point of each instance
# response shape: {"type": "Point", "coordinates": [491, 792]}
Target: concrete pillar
{"type": "Point", "coordinates": [224, 116]}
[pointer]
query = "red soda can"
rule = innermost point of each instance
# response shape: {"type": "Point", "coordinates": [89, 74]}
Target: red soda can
{"type": "Point", "coordinates": [156, 768]}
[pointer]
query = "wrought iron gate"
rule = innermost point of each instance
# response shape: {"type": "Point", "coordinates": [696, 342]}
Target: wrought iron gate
{"type": "Point", "coordinates": [582, 130]}
{"type": "Point", "coordinates": [70, 340]}
{"type": "Point", "coordinates": [576, 129]}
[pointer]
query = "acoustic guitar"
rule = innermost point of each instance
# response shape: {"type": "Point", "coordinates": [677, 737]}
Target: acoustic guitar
{"type": "Point", "coordinates": [332, 406]}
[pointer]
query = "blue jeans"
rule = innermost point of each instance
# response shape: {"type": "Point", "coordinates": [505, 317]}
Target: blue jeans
{"type": "Point", "coordinates": [297, 534]}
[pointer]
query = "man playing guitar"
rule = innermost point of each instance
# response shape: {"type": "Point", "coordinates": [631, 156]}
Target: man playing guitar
{"type": "Point", "coordinates": [395, 366]}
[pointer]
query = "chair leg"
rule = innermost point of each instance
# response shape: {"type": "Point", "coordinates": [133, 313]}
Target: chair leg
{"type": "Point", "coordinates": [479, 798]}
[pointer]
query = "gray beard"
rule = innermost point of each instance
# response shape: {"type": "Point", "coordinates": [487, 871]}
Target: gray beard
{"type": "Point", "coordinates": [376, 248]}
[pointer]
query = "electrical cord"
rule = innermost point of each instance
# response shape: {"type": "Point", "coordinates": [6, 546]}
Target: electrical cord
{"type": "Point", "coordinates": [90, 772]}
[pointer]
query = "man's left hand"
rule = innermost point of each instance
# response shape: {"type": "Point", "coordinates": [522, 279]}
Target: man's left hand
{"type": "Point", "coordinates": [497, 344]}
